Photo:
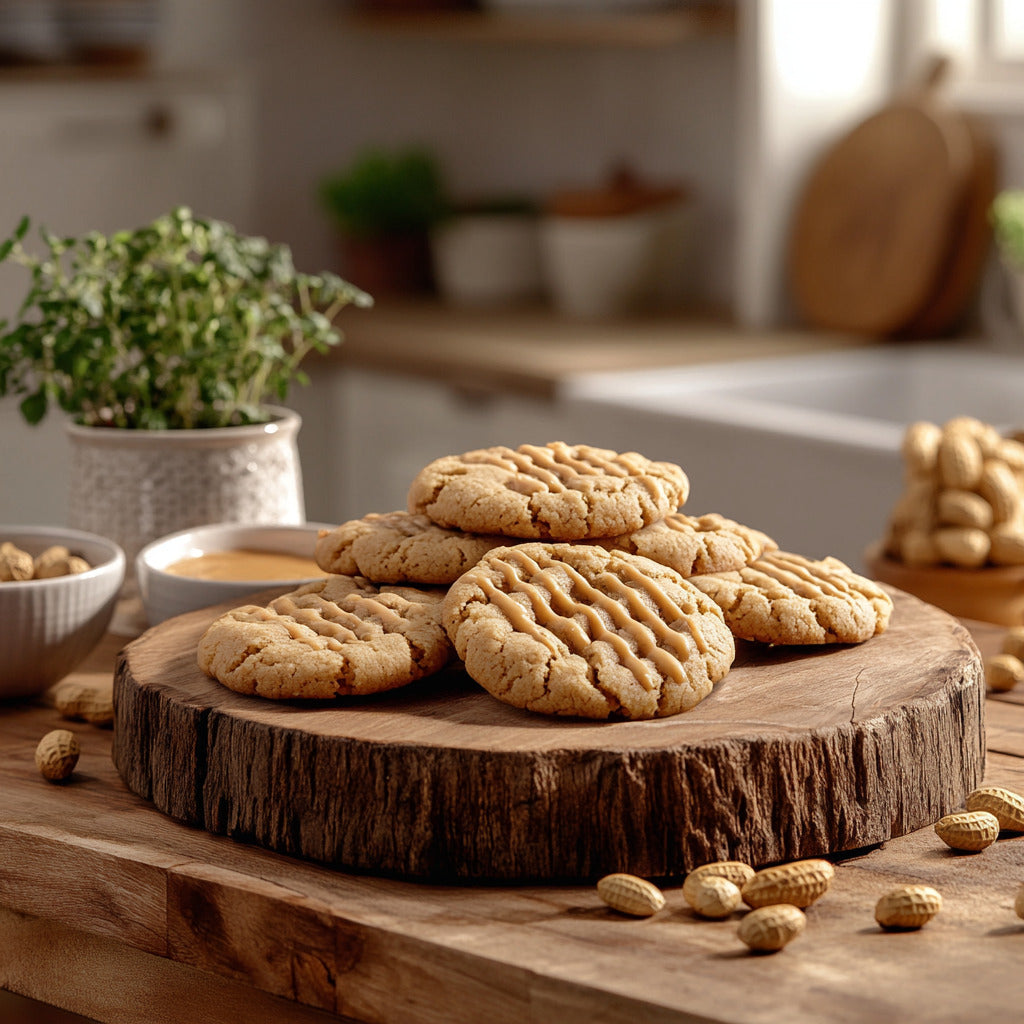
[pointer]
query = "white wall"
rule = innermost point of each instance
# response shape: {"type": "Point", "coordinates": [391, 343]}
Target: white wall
{"type": "Point", "coordinates": [500, 118]}
{"type": "Point", "coordinates": [809, 71]}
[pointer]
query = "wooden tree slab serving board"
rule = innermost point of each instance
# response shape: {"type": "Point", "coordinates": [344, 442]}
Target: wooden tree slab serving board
{"type": "Point", "coordinates": [798, 752]}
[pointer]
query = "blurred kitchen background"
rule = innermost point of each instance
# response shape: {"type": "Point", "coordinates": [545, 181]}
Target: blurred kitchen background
{"type": "Point", "coordinates": [707, 115]}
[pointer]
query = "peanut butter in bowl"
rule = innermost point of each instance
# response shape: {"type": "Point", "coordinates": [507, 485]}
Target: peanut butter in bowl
{"type": "Point", "coordinates": [208, 565]}
{"type": "Point", "coordinates": [245, 565]}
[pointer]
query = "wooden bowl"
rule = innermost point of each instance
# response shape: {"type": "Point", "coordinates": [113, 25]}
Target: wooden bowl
{"type": "Point", "coordinates": [994, 594]}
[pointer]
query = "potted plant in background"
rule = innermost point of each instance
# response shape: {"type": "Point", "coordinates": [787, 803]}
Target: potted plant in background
{"type": "Point", "coordinates": [164, 345]}
{"type": "Point", "coordinates": [383, 206]}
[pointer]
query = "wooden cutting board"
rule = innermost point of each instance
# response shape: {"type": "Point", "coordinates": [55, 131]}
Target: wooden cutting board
{"type": "Point", "coordinates": [797, 752]}
{"type": "Point", "coordinates": [886, 235]}
{"type": "Point", "coordinates": [970, 243]}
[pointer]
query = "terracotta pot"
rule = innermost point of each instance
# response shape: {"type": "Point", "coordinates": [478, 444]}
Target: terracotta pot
{"type": "Point", "coordinates": [390, 265]}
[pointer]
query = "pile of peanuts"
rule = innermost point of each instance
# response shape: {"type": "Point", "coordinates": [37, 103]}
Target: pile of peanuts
{"type": "Point", "coordinates": [18, 565]}
{"type": "Point", "coordinates": [776, 897]}
{"type": "Point", "coordinates": [963, 497]}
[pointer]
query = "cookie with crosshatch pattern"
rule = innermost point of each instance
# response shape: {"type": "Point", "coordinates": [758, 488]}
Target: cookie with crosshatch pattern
{"type": "Point", "coordinates": [575, 629]}
{"type": "Point", "coordinates": [785, 598]}
{"type": "Point", "coordinates": [401, 547]}
{"type": "Point", "coordinates": [551, 492]}
{"type": "Point", "coordinates": [339, 636]}
{"type": "Point", "coordinates": [696, 544]}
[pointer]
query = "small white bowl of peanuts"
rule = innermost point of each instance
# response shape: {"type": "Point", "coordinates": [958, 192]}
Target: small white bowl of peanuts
{"type": "Point", "coordinates": [58, 590]}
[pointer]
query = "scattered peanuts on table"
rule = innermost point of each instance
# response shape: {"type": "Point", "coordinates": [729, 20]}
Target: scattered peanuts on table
{"type": "Point", "coordinates": [776, 897]}
{"type": "Point", "coordinates": [57, 755]}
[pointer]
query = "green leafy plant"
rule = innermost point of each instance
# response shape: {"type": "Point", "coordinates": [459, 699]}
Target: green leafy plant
{"type": "Point", "coordinates": [1007, 217]}
{"type": "Point", "coordinates": [182, 323]}
{"type": "Point", "coordinates": [383, 193]}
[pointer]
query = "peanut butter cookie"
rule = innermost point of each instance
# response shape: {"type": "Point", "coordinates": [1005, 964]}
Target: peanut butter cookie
{"type": "Point", "coordinates": [335, 637]}
{"type": "Point", "coordinates": [401, 547]}
{"type": "Point", "coordinates": [548, 492]}
{"type": "Point", "coordinates": [783, 598]}
{"type": "Point", "coordinates": [574, 629]}
{"type": "Point", "coordinates": [696, 544]}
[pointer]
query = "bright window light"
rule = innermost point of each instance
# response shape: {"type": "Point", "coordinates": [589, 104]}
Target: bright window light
{"type": "Point", "coordinates": [808, 69]}
{"type": "Point", "coordinates": [1008, 29]}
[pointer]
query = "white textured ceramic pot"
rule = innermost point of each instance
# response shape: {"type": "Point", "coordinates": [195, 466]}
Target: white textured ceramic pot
{"type": "Point", "coordinates": [134, 486]}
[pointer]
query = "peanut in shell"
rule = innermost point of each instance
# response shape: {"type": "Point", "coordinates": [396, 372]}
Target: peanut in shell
{"type": "Point", "coordinates": [908, 907]}
{"type": "Point", "coordinates": [920, 447]}
{"type": "Point", "coordinates": [631, 895]}
{"type": "Point", "coordinates": [969, 831]}
{"type": "Point", "coordinates": [715, 897]}
{"type": "Point", "coordinates": [799, 883]}
{"type": "Point", "coordinates": [57, 755]}
{"type": "Point", "coordinates": [1007, 806]}
{"type": "Point", "coordinates": [732, 870]}
{"type": "Point", "coordinates": [959, 460]}
{"type": "Point", "coordinates": [1003, 672]}
{"type": "Point", "coordinates": [768, 929]}
{"type": "Point", "coordinates": [1013, 641]}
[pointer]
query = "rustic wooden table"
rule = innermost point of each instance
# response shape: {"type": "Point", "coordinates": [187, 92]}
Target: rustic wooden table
{"type": "Point", "coordinates": [112, 910]}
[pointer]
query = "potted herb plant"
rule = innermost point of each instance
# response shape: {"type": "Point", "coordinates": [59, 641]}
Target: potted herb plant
{"type": "Point", "coordinates": [164, 346]}
{"type": "Point", "coordinates": [383, 206]}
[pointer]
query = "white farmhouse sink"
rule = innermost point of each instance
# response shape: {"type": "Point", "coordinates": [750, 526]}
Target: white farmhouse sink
{"type": "Point", "coordinates": [803, 447]}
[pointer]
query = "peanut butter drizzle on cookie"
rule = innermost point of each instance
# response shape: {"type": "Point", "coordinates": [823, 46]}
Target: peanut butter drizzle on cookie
{"type": "Point", "coordinates": [680, 524]}
{"type": "Point", "coordinates": [323, 619]}
{"type": "Point", "coordinates": [643, 626]}
{"type": "Point", "coordinates": [290, 620]}
{"type": "Point", "coordinates": [559, 455]}
{"type": "Point", "coordinates": [806, 578]}
{"type": "Point", "coordinates": [551, 465]}
{"type": "Point", "coordinates": [669, 609]}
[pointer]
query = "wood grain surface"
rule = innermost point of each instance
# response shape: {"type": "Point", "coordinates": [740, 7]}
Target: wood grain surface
{"type": "Point", "coordinates": [957, 282]}
{"type": "Point", "coordinates": [879, 220]}
{"type": "Point", "coordinates": [798, 752]}
{"type": "Point", "coordinates": [111, 909]}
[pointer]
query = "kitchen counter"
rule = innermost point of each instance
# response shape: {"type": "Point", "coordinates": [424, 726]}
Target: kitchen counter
{"type": "Point", "coordinates": [531, 351]}
{"type": "Point", "coordinates": [112, 910]}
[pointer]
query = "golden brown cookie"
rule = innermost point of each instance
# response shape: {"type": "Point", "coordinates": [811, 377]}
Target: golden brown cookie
{"type": "Point", "coordinates": [548, 492]}
{"type": "Point", "coordinates": [401, 547]}
{"type": "Point", "coordinates": [696, 544]}
{"type": "Point", "coordinates": [783, 598]}
{"type": "Point", "coordinates": [574, 629]}
{"type": "Point", "coordinates": [335, 637]}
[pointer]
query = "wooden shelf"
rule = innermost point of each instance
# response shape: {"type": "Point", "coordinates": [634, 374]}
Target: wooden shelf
{"type": "Point", "coordinates": [657, 28]}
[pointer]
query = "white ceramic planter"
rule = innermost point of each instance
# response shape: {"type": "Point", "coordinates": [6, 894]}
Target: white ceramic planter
{"type": "Point", "coordinates": [487, 259]}
{"type": "Point", "coordinates": [608, 266]}
{"type": "Point", "coordinates": [136, 485]}
{"type": "Point", "coordinates": [601, 266]}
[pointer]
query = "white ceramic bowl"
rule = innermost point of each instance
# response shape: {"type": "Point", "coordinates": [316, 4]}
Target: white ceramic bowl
{"type": "Point", "coordinates": [166, 594]}
{"type": "Point", "coordinates": [48, 626]}
{"type": "Point", "coordinates": [488, 259]}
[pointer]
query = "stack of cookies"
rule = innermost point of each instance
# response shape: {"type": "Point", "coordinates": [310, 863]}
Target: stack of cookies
{"type": "Point", "coordinates": [565, 577]}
